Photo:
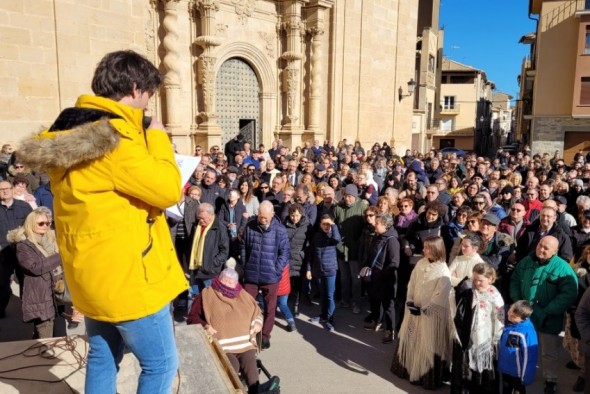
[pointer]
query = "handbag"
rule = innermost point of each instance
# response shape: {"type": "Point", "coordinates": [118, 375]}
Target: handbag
{"type": "Point", "coordinates": [60, 287]}
{"type": "Point", "coordinates": [366, 272]}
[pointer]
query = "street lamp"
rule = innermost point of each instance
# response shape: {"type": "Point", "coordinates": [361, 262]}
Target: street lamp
{"type": "Point", "coordinates": [482, 140]}
{"type": "Point", "coordinates": [411, 87]}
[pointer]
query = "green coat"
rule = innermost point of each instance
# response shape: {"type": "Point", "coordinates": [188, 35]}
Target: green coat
{"type": "Point", "coordinates": [551, 288]}
{"type": "Point", "coordinates": [350, 222]}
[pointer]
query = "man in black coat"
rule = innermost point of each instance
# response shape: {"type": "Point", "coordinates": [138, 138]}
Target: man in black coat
{"type": "Point", "coordinates": [12, 215]}
{"type": "Point", "coordinates": [211, 192]}
{"type": "Point", "coordinates": [233, 147]}
{"type": "Point", "coordinates": [208, 255]}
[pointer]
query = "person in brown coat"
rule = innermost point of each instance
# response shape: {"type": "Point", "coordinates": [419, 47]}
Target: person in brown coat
{"type": "Point", "coordinates": [40, 262]}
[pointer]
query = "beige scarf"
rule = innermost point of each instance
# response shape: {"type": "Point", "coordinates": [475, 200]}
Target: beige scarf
{"type": "Point", "coordinates": [198, 247]}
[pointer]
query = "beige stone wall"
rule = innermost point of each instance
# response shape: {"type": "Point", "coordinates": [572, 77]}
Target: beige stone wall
{"type": "Point", "coordinates": [556, 59]}
{"type": "Point", "coordinates": [49, 51]}
{"type": "Point", "coordinates": [376, 55]}
{"type": "Point", "coordinates": [51, 47]}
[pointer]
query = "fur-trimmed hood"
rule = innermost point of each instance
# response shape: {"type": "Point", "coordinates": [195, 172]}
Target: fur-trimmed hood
{"type": "Point", "coordinates": [17, 235]}
{"type": "Point", "coordinates": [66, 149]}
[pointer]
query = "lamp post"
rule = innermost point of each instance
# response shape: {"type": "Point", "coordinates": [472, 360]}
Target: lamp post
{"type": "Point", "coordinates": [411, 88]}
{"type": "Point", "coordinates": [482, 140]}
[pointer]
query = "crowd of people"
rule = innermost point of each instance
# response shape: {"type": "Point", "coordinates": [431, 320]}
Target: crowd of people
{"type": "Point", "coordinates": [450, 252]}
{"type": "Point", "coordinates": [471, 265]}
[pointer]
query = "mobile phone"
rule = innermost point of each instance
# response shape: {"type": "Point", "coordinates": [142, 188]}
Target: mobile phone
{"type": "Point", "coordinates": [147, 121]}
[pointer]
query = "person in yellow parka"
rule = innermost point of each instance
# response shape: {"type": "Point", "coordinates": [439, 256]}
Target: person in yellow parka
{"type": "Point", "coordinates": [112, 174]}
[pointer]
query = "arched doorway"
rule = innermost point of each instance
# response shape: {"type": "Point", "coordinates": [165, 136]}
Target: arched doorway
{"type": "Point", "coordinates": [238, 101]}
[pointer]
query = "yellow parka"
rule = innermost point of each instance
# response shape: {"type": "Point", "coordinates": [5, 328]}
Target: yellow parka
{"type": "Point", "coordinates": [111, 182]}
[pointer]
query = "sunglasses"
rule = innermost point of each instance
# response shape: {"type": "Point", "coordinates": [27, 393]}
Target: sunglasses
{"type": "Point", "coordinates": [41, 224]}
{"type": "Point", "coordinates": [264, 187]}
{"type": "Point", "coordinates": [479, 202]}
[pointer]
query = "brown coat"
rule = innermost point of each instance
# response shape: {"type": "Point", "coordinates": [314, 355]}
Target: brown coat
{"type": "Point", "coordinates": [38, 301]}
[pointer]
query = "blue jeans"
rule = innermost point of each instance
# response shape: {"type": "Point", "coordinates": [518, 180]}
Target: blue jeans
{"type": "Point", "coordinates": [150, 339]}
{"type": "Point", "coordinates": [284, 307]}
{"type": "Point", "coordinates": [327, 285]}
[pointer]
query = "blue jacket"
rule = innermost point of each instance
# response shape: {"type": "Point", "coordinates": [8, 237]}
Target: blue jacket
{"type": "Point", "coordinates": [323, 256]}
{"type": "Point", "coordinates": [44, 197]}
{"type": "Point", "coordinates": [264, 253]}
{"type": "Point", "coordinates": [517, 351]}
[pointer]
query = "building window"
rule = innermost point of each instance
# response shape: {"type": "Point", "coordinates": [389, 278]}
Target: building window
{"type": "Point", "coordinates": [449, 102]}
{"type": "Point", "coordinates": [585, 91]}
{"type": "Point", "coordinates": [587, 42]}
{"type": "Point", "coordinates": [431, 63]}
{"type": "Point", "coordinates": [446, 124]}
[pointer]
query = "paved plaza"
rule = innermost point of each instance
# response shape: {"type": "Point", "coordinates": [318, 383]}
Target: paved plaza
{"type": "Point", "coordinates": [311, 360]}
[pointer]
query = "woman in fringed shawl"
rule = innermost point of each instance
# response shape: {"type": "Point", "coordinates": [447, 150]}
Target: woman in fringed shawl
{"type": "Point", "coordinates": [424, 346]}
{"type": "Point", "coordinates": [479, 323]}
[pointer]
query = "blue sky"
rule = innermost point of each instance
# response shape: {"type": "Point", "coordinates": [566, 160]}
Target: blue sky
{"type": "Point", "coordinates": [485, 34]}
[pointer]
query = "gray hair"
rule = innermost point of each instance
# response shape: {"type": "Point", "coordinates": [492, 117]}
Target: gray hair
{"type": "Point", "coordinates": [385, 219]}
{"type": "Point", "coordinates": [206, 207]}
{"type": "Point", "coordinates": [45, 211]}
{"type": "Point", "coordinates": [266, 206]}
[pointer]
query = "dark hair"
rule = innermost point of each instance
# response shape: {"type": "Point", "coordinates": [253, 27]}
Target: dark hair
{"type": "Point", "coordinates": [20, 179]}
{"type": "Point", "coordinates": [118, 73]}
{"type": "Point", "coordinates": [296, 208]}
{"type": "Point", "coordinates": [435, 206]}
{"type": "Point", "coordinates": [326, 216]}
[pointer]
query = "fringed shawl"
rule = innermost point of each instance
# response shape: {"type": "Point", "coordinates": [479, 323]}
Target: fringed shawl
{"type": "Point", "coordinates": [422, 337]}
{"type": "Point", "coordinates": [488, 322]}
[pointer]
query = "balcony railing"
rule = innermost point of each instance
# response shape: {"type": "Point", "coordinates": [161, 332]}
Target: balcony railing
{"type": "Point", "coordinates": [453, 109]}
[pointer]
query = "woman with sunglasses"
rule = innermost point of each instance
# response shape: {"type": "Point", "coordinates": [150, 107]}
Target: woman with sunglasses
{"type": "Point", "coordinates": [40, 263]}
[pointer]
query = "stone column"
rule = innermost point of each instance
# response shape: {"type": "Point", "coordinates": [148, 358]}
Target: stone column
{"type": "Point", "coordinates": [316, 82]}
{"type": "Point", "coordinates": [172, 65]}
{"type": "Point", "coordinates": [315, 22]}
{"type": "Point", "coordinates": [291, 75]}
{"type": "Point", "coordinates": [208, 132]}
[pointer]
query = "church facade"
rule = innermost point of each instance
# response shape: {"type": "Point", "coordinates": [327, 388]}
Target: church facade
{"type": "Point", "coordinates": [298, 70]}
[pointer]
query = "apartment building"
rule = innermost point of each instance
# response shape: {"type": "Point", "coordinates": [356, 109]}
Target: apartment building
{"type": "Point", "coordinates": [554, 104]}
{"type": "Point", "coordinates": [464, 112]}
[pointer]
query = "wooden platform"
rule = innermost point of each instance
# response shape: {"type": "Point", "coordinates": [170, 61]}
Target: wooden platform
{"type": "Point", "coordinates": [58, 366]}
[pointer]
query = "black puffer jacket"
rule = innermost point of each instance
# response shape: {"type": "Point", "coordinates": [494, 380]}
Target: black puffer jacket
{"type": "Point", "coordinates": [420, 230]}
{"type": "Point", "coordinates": [383, 257]}
{"type": "Point", "coordinates": [297, 235]}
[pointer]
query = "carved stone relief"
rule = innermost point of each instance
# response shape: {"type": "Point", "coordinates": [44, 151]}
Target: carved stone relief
{"type": "Point", "coordinates": [269, 41]}
{"type": "Point", "coordinates": [290, 80]}
{"type": "Point", "coordinates": [244, 9]}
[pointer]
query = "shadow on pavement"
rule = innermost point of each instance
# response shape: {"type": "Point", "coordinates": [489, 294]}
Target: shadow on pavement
{"type": "Point", "coordinates": [351, 347]}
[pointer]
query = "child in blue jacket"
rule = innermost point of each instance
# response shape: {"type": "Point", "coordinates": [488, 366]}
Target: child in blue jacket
{"type": "Point", "coordinates": [517, 351]}
{"type": "Point", "coordinates": [322, 265]}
